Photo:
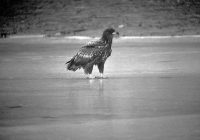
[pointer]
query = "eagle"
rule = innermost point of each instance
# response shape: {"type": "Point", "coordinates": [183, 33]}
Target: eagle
{"type": "Point", "coordinates": [93, 53]}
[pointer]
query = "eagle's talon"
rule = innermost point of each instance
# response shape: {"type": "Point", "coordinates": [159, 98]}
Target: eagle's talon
{"type": "Point", "coordinates": [102, 76]}
{"type": "Point", "coordinates": [91, 76]}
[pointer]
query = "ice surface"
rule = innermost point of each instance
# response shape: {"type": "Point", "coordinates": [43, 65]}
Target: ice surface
{"type": "Point", "coordinates": [151, 93]}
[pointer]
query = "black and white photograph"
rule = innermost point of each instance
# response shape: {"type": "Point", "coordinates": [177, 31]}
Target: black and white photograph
{"type": "Point", "coordinates": [99, 70]}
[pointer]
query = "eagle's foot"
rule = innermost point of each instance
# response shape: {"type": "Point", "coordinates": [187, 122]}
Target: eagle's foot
{"type": "Point", "coordinates": [91, 76]}
{"type": "Point", "coordinates": [102, 76]}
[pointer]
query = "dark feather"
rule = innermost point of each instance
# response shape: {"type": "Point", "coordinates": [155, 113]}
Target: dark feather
{"type": "Point", "coordinates": [87, 55]}
{"type": "Point", "coordinates": [71, 65]}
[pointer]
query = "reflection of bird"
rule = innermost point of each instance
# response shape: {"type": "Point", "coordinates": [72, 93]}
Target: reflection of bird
{"type": "Point", "coordinates": [93, 53]}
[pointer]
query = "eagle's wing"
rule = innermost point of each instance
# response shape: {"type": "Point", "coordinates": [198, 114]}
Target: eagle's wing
{"type": "Point", "coordinates": [89, 53]}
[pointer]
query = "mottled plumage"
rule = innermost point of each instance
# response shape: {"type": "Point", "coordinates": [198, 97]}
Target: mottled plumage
{"type": "Point", "coordinates": [93, 53]}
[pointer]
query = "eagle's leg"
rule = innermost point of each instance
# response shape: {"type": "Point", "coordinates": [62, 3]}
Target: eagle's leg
{"type": "Point", "coordinates": [88, 71]}
{"type": "Point", "coordinates": [101, 68]}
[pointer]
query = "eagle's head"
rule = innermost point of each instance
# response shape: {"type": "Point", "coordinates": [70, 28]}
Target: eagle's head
{"type": "Point", "coordinates": [108, 34]}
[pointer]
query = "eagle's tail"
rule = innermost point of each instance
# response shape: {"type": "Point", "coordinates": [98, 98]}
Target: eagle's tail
{"type": "Point", "coordinates": [71, 65]}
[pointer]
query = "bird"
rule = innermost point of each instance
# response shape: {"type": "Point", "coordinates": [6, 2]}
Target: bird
{"type": "Point", "coordinates": [93, 53]}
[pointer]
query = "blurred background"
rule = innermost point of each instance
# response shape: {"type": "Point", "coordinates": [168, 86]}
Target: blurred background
{"type": "Point", "coordinates": [90, 17]}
